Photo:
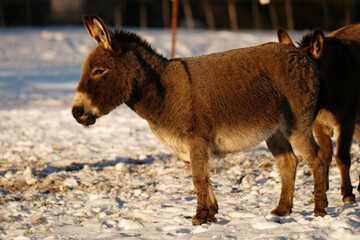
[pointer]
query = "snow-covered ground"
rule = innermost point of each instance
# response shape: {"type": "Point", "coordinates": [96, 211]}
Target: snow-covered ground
{"type": "Point", "coordinates": [115, 180]}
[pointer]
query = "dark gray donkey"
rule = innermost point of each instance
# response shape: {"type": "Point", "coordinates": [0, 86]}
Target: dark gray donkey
{"type": "Point", "coordinates": [218, 103]}
{"type": "Point", "coordinates": [352, 33]}
{"type": "Point", "coordinates": [338, 61]}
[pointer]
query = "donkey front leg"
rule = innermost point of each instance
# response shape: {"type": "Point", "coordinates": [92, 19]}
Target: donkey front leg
{"type": "Point", "coordinates": [206, 202]}
{"type": "Point", "coordinates": [287, 163]}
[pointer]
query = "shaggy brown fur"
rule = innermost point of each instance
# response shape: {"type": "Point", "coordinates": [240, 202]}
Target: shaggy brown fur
{"type": "Point", "coordinates": [338, 64]}
{"type": "Point", "coordinates": [218, 103]}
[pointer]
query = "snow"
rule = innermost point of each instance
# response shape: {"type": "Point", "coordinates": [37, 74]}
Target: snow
{"type": "Point", "coordinates": [115, 180]}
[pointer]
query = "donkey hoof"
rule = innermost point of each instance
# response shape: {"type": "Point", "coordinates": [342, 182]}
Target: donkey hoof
{"type": "Point", "coordinates": [212, 219]}
{"type": "Point", "coordinates": [320, 212]}
{"type": "Point", "coordinates": [279, 211]}
{"type": "Point", "coordinates": [198, 221]}
{"type": "Point", "coordinates": [349, 199]}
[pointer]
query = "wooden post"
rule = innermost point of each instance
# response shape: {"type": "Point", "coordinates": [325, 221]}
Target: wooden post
{"type": "Point", "coordinates": [165, 13]}
{"type": "Point", "coordinates": [2, 18]}
{"type": "Point", "coordinates": [119, 12]}
{"type": "Point", "coordinates": [173, 25]}
{"type": "Point", "coordinates": [289, 15]}
{"type": "Point", "coordinates": [209, 15]}
{"type": "Point", "coordinates": [143, 14]}
{"type": "Point", "coordinates": [232, 15]}
{"type": "Point", "coordinates": [28, 13]}
{"type": "Point", "coordinates": [273, 15]}
{"type": "Point", "coordinates": [256, 14]}
{"type": "Point", "coordinates": [347, 12]}
{"type": "Point", "coordinates": [326, 17]}
{"type": "Point", "coordinates": [188, 14]}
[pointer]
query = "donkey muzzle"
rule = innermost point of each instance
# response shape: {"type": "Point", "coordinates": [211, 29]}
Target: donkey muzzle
{"type": "Point", "coordinates": [82, 118]}
{"type": "Point", "coordinates": [83, 110]}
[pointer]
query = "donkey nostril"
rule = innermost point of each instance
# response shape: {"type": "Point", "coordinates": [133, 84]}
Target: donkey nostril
{"type": "Point", "coordinates": [77, 112]}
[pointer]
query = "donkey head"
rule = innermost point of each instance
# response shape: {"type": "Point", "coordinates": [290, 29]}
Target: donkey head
{"type": "Point", "coordinates": [105, 79]}
{"type": "Point", "coordinates": [312, 44]}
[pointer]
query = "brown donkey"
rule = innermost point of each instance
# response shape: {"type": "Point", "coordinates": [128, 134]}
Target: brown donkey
{"type": "Point", "coordinates": [338, 64]}
{"type": "Point", "coordinates": [218, 103]}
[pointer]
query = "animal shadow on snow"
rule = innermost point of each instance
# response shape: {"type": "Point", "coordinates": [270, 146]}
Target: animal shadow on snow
{"type": "Point", "coordinates": [338, 210]}
{"type": "Point", "coordinates": [100, 165]}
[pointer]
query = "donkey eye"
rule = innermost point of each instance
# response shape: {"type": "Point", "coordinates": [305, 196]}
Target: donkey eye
{"type": "Point", "coordinates": [98, 72]}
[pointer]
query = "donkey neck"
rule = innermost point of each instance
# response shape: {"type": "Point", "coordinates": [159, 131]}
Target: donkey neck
{"type": "Point", "coordinates": [148, 91]}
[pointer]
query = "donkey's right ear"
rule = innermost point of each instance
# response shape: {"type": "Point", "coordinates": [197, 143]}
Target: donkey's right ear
{"type": "Point", "coordinates": [317, 44]}
{"type": "Point", "coordinates": [284, 37]}
{"type": "Point", "coordinates": [98, 30]}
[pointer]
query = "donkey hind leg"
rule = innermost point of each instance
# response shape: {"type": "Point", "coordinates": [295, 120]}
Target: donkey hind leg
{"type": "Point", "coordinates": [207, 205]}
{"type": "Point", "coordinates": [357, 137]}
{"type": "Point", "coordinates": [343, 160]}
{"type": "Point", "coordinates": [287, 163]}
{"type": "Point", "coordinates": [323, 137]}
{"type": "Point", "coordinates": [304, 142]}
{"type": "Point", "coordinates": [357, 133]}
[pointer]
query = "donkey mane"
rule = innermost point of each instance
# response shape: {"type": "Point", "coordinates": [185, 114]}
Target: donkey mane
{"type": "Point", "coordinates": [124, 40]}
{"type": "Point", "coordinates": [306, 40]}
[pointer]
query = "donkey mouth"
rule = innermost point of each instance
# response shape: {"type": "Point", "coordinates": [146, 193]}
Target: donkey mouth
{"type": "Point", "coordinates": [89, 120]}
{"type": "Point", "coordinates": [83, 118]}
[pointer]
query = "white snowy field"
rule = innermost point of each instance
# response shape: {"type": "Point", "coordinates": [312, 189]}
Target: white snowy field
{"type": "Point", "coordinates": [115, 180]}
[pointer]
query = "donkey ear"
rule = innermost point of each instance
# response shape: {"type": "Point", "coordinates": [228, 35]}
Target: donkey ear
{"type": "Point", "coordinates": [317, 44]}
{"type": "Point", "coordinates": [284, 37]}
{"type": "Point", "coordinates": [98, 30]}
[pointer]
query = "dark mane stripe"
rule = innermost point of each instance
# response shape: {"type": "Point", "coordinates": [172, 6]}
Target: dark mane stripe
{"type": "Point", "coordinates": [306, 40]}
{"type": "Point", "coordinates": [124, 40]}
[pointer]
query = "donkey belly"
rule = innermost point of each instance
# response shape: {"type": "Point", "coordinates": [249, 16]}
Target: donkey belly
{"type": "Point", "coordinates": [235, 140]}
{"type": "Point", "coordinates": [225, 141]}
{"type": "Point", "coordinates": [173, 139]}
{"type": "Point", "coordinates": [225, 138]}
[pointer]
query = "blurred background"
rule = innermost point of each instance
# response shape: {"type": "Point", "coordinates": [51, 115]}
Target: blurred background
{"type": "Point", "coordinates": [206, 14]}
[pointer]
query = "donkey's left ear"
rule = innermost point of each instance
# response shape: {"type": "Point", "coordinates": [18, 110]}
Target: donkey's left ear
{"type": "Point", "coordinates": [284, 37]}
{"type": "Point", "coordinates": [317, 44]}
{"type": "Point", "coordinates": [98, 30]}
